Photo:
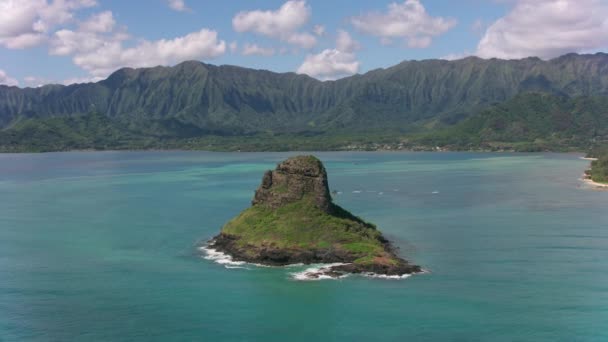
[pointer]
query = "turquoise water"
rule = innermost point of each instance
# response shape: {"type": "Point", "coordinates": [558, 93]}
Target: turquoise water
{"type": "Point", "coordinates": [102, 247]}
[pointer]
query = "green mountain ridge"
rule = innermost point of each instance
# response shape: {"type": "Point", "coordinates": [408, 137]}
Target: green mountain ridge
{"type": "Point", "coordinates": [529, 121]}
{"type": "Point", "coordinates": [197, 105]}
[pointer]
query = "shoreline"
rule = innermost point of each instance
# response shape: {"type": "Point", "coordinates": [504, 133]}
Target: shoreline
{"type": "Point", "coordinates": [310, 272]}
{"type": "Point", "coordinates": [597, 185]}
{"type": "Point", "coordinates": [380, 150]}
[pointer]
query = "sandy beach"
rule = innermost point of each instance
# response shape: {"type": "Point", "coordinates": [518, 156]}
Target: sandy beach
{"type": "Point", "coordinates": [591, 183]}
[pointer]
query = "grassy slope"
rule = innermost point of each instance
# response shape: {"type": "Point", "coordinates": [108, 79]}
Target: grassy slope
{"type": "Point", "coordinates": [301, 225]}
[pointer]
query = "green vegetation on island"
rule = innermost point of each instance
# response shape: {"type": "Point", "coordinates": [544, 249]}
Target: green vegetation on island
{"type": "Point", "coordinates": [294, 220]}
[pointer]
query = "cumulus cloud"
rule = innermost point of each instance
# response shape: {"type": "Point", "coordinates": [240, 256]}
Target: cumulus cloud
{"type": "Point", "coordinates": [455, 56]}
{"type": "Point", "coordinates": [254, 49]}
{"type": "Point", "coordinates": [233, 46]}
{"type": "Point", "coordinates": [283, 24]}
{"type": "Point", "coordinates": [7, 80]}
{"type": "Point", "coordinates": [26, 23]}
{"type": "Point", "coordinates": [333, 63]}
{"type": "Point", "coordinates": [177, 5]}
{"type": "Point", "coordinates": [329, 64]}
{"type": "Point", "coordinates": [103, 58]}
{"type": "Point", "coordinates": [35, 81]}
{"type": "Point", "coordinates": [100, 22]}
{"type": "Point", "coordinates": [478, 27]}
{"type": "Point", "coordinates": [90, 36]}
{"type": "Point", "coordinates": [408, 20]}
{"type": "Point", "coordinates": [319, 30]}
{"type": "Point", "coordinates": [546, 29]}
{"type": "Point", "coordinates": [98, 46]}
{"type": "Point", "coordinates": [344, 42]}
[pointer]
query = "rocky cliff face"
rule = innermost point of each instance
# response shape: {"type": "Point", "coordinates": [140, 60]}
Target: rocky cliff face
{"type": "Point", "coordinates": [293, 180]}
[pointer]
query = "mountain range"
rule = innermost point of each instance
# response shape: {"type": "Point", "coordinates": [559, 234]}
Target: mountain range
{"type": "Point", "coordinates": [463, 103]}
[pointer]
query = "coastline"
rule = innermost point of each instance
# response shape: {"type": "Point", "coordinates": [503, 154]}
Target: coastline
{"type": "Point", "coordinates": [303, 272]}
{"type": "Point", "coordinates": [588, 181]}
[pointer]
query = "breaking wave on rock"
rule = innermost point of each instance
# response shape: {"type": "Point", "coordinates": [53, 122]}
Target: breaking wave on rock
{"type": "Point", "coordinates": [312, 273]}
{"type": "Point", "coordinates": [220, 257]}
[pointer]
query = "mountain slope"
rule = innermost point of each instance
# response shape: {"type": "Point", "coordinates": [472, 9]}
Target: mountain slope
{"type": "Point", "coordinates": [532, 121]}
{"type": "Point", "coordinates": [197, 100]}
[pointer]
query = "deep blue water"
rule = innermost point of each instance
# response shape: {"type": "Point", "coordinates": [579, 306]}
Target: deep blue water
{"type": "Point", "coordinates": [102, 247]}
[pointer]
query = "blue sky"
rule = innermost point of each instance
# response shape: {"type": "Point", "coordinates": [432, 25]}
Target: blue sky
{"type": "Point", "coordinates": [66, 41]}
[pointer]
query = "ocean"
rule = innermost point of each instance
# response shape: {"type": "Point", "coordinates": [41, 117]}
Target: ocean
{"type": "Point", "coordinates": [103, 246]}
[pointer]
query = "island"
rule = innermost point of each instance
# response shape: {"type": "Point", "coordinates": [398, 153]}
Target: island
{"type": "Point", "coordinates": [293, 220]}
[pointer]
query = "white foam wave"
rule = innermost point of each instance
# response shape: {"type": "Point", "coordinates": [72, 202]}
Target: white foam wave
{"type": "Point", "coordinates": [317, 272]}
{"type": "Point", "coordinates": [384, 276]}
{"type": "Point", "coordinates": [228, 262]}
{"type": "Point", "coordinates": [220, 257]}
{"type": "Point", "coordinates": [357, 192]}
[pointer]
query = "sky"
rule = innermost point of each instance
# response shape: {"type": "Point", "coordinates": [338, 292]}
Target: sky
{"type": "Point", "coordinates": [75, 41]}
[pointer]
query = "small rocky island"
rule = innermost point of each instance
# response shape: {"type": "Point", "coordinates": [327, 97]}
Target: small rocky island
{"type": "Point", "coordinates": [293, 220]}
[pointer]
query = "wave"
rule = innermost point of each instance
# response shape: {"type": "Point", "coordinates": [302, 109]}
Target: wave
{"type": "Point", "coordinates": [221, 257]}
{"type": "Point", "coordinates": [385, 276]}
{"type": "Point", "coordinates": [227, 260]}
{"type": "Point", "coordinates": [318, 272]}
{"type": "Point", "coordinates": [312, 273]}
{"type": "Point", "coordinates": [323, 272]}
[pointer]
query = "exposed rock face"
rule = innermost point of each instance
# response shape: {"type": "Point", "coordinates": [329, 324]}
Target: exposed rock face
{"type": "Point", "coordinates": [293, 220]}
{"type": "Point", "coordinates": [293, 179]}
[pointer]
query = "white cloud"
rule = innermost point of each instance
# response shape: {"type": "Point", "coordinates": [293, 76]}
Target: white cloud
{"type": "Point", "coordinates": [88, 37]}
{"type": "Point", "coordinates": [35, 81]}
{"type": "Point", "coordinates": [105, 58]}
{"type": "Point", "coordinates": [408, 20]}
{"type": "Point", "coordinates": [333, 63]}
{"type": "Point", "coordinates": [329, 64]}
{"type": "Point", "coordinates": [319, 30]}
{"type": "Point", "coordinates": [7, 80]}
{"type": "Point", "coordinates": [282, 24]}
{"type": "Point", "coordinates": [233, 46]}
{"type": "Point", "coordinates": [455, 56]}
{"type": "Point", "coordinates": [546, 29]}
{"type": "Point", "coordinates": [345, 43]}
{"type": "Point", "coordinates": [100, 22]}
{"type": "Point", "coordinates": [77, 80]}
{"type": "Point", "coordinates": [26, 23]}
{"type": "Point", "coordinates": [478, 26]}
{"type": "Point", "coordinates": [254, 49]}
{"type": "Point", "coordinates": [100, 48]}
{"type": "Point", "coordinates": [177, 5]}
{"type": "Point", "coordinates": [419, 42]}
